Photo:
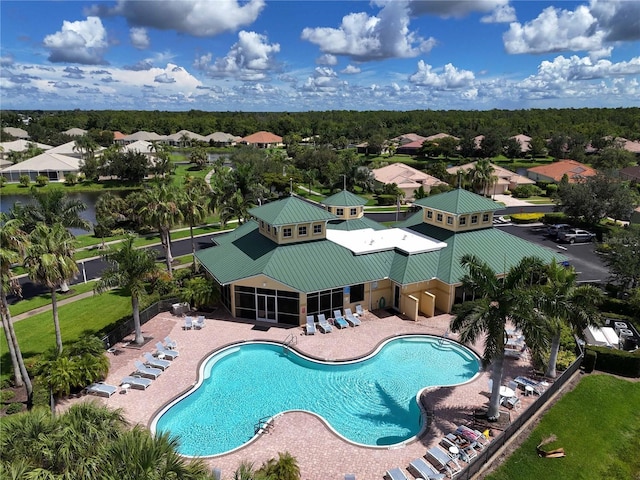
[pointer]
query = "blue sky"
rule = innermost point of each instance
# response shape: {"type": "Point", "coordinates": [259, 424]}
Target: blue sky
{"type": "Point", "coordinates": [261, 55]}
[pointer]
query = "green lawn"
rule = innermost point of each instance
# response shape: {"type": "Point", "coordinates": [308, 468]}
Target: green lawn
{"type": "Point", "coordinates": [89, 316]}
{"type": "Point", "coordinates": [597, 424]}
{"type": "Point", "coordinates": [17, 189]}
{"type": "Point", "coordinates": [45, 299]}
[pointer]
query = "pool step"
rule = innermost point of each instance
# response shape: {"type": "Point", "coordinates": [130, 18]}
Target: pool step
{"type": "Point", "coordinates": [264, 425]}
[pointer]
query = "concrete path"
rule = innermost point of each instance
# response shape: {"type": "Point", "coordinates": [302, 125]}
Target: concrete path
{"type": "Point", "coordinates": [46, 308]}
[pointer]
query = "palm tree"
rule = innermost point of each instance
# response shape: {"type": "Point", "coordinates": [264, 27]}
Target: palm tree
{"type": "Point", "coordinates": [237, 206]}
{"type": "Point", "coordinates": [562, 302]}
{"type": "Point", "coordinates": [482, 176]}
{"type": "Point", "coordinates": [199, 157]}
{"type": "Point", "coordinates": [50, 262]}
{"type": "Point", "coordinates": [13, 244]}
{"type": "Point", "coordinates": [161, 209]}
{"type": "Point", "coordinates": [285, 468]}
{"type": "Point", "coordinates": [498, 301]}
{"type": "Point", "coordinates": [50, 207]}
{"type": "Point", "coordinates": [129, 269]}
{"type": "Point", "coordinates": [194, 207]}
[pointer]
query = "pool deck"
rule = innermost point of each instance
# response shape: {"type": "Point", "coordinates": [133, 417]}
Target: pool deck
{"type": "Point", "coordinates": [320, 453]}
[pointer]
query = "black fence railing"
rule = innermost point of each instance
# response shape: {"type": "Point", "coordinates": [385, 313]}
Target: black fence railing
{"type": "Point", "coordinates": [512, 429]}
{"type": "Point", "coordinates": [125, 328]}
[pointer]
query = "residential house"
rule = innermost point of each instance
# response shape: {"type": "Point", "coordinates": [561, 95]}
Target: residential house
{"type": "Point", "coordinates": [553, 172]}
{"type": "Point", "coordinates": [295, 258]}
{"type": "Point", "coordinates": [54, 166]}
{"type": "Point", "coordinates": [142, 135]}
{"type": "Point", "coordinates": [630, 173]}
{"type": "Point", "coordinates": [408, 179]}
{"type": "Point", "coordinates": [221, 139]}
{"type": "Point", "coordinates": [75, 132]}
{"type": "Point", "coordinates": [505, 179]}
{"type": "Point", "coordinates": [177, 139]}
{"type": "Point", "coordinates": [524, 141]}
{"type": "Point", "coordinates": [19, 146]}
{"type": "Point", "coordinates": [262, 140]}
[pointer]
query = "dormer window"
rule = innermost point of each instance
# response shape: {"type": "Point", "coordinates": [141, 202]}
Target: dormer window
{"type": "Point", "coordinates": [354, 211]}
{"type": "Point", "coordinates": [302, 231]}
{"type": "Point", "coordinates": [429, 214]}
{"type": "Point", "coordinates": [269, 228]}
{"type": "Point", "coordinates": [463, 221]}
{"type": "Point", "coordinates": [485, 217]}
{"type": "Point", "coordinates": [317, 229]}
{"type": "Point", "coordinates": [474, 219]}
{"type": "Point", "coordinates": [340, 211]}
{"type": "Point", "coordinates": [286, 232]}
{"type": "Point", "coordinates": [439, 217]}
{"type": "Point", "coordinates": [449, 220]}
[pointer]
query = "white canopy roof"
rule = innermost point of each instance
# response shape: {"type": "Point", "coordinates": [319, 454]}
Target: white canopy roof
{"type": "Point", "coordinates": [368, 240]}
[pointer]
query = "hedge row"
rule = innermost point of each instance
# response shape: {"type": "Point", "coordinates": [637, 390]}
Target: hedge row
{"type": "Point", "coordinates": [611, 360]}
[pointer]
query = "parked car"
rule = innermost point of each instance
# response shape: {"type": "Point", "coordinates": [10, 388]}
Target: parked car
{"type": "Point", "coordinates": [554, 230]}
{"type": "Point", "coordinates": [573, 235]}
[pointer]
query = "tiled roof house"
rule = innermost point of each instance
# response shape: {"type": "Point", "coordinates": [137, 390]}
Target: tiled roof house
{"type": "Point", "coordinates": [295, 258]}
{"type": "Point", "coordinates": [262, 140]}
{"type": "Point", "coordinates": [507, 180]}
{"type": "Point", "coordinates": [406, 178]}
{"type": "Point", "coordinates": [575, 171]}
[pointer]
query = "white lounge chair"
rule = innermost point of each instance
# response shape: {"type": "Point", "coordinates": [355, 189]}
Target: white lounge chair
{"type": "Point", "coordinates": [170, 344]}
{"type": "Point", "coordinates": [152, 361]}
{"type": "Point", "coordinates": [351, 318]}
{"type": "Point", "coordinates": [396, 474]}
{"type": "Point", "coordinates": [323, 324]}
{"type": "Point", "coordinates": [199, 322]}
{"type": "Point", "coordinates": [148, 372]}
{"type": "Point", "coordinates": [101, 389]}
{"type": "Point", "coordinates": [188, 323]}
{"type": "Point", "coordinates": [360, 312]}
{"type": "Point", "coordinates": [465, 448]}
{"type": "Point", "coordinates": [136, 382]}
{"type": "Point", "coordinates": [170, 354]}
{"type": "Point", "coordinates": [311, 325]}
{"type": "Point", "coordinates": [424, 470]}
{"type": "Point", "coordinates": [339, 320]}
{"type": "Point", "coordinates": [443, 462]}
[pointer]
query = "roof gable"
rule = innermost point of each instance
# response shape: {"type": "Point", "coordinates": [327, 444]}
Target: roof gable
{"type": "Point", "coordinates": [289, 211]}
{"type": "Point", "coordinates": [344, 199]}
{"type": "Point", "coordinates": [459, 202]}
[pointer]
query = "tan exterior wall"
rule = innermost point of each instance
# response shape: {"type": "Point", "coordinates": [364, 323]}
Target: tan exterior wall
{"type": "Point", "coordinates": [427, 304]}
{"type": "Point", "coordinates": [277, 233]}
{"type": "Point", "coordinates": [347, 214]}
{"type": "Point", "coordinates": [464, 222]}
{"type": "Point", "coordinates": [452, 222]}
{"type": "Point", "coordinates": [444, 295]}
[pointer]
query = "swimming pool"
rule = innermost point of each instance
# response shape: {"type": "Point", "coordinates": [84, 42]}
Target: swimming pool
{"type": "Point", "coordinates": [371, 401]}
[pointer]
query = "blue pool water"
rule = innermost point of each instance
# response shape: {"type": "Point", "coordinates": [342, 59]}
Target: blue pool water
{"type": "Point", "coordinates": [371, 402]}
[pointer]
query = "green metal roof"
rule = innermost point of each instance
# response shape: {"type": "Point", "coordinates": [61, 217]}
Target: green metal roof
{"type": "Point", "coordinates": [321, 264]}
{"type": "Point", "coordinates": [498, 248]}
{"type": "Point", "coordinates": [354, 224]}
{"type": "Point", "coordinates": [289, 211]}
{"type": "Point", "coordinates": [459, 202]}
{"type": "Point", "coordinates": [344, 199]}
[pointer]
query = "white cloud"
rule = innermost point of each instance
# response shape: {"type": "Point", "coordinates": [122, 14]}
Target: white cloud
{"type": "Point", "coordinates": [350, 70]}
{"type": "Point", "coordinates": [201, 18]}
{"type": "Point", "coordinates": [593, 28]}
{"type": "Point", "coordinates": [250, 58]}
{"type": "Point", "coordinates": [327, 59]}
{"type": "Point", "coordinates": [324, 79]}
{"type": "Point", "coordinates": [139, 38]}
{"type": "Point", "coordinates": [502, 14]}
{"type": "Point", "coordinates": [6, 60]}
{"type": "Point", "coordinates": [164, 78]}
{"type": "Point", "coordinates": [363, 37]}
{"type": "Point", "coordinates": [81, 42]}
{"type": "Point", "coordinates": [450, 78]}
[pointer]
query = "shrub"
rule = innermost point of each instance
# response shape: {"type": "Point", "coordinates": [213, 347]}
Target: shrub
{"type": "Point", "coordinates": [3, 180]}
{"type": "Point", "coordinates": [15, 407]}
{"type": "Point", "coordinates": [589, 360]}
{"type": "Point", "coordinates": [523, 218]}
{"type": "Point", "coordinates": [71, 179]}
{"type": "Point", "coordinates": [386, 200]}
{"type": "Point", "coordinates": [42, 180]}
{"type": "Point", "coordinates": [554, 217]}
{"type": "Point", "coordinates": [618, 362]}
{"type": "Point", "coordinates": [526, 191]}
{"type": "Point", "coordinates": [551, 189]}
{"type": "Point", "coordinates": [25, 180]}
{"type": "Point", "coordinates": [565, 359]}
{"type": "Point", "coordinates": [6, 395]}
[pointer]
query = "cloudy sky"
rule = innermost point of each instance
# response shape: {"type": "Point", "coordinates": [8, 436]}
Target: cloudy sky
{"type": "Point", "coordinates": [262, 55]}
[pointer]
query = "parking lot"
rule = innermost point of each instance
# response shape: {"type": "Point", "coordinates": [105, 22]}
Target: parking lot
{"type": "Point", "coordinates": [582, 256]}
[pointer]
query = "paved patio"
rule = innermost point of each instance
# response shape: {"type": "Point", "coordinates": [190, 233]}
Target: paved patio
{"type": "Point", "coordinates": [321, 454]}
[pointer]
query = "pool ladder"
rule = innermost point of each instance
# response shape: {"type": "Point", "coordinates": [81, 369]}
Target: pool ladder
{"type": "Point", "coordinates": [264, 425]}
{"type": "Point", "coordinates": [290, 340]}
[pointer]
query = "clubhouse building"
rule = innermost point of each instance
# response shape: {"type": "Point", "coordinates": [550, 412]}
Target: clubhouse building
{"type": "Point", "coordinates": [295, 258]}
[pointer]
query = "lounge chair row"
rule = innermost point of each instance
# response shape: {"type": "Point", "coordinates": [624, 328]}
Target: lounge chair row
{"type": "Point", "coordinates": [339, 320]}
{"type": "Point", "coordinates": [193, 324]}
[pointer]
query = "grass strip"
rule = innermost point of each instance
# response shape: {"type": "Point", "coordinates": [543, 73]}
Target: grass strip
{"type": "Point", "coordinates": [597, 424]}
{"type": "Point", "coordinates": [38, 301]}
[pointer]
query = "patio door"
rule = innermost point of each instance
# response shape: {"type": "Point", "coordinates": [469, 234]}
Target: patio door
{"type": "Point", "coordinates": [266, 308]}
{"type": "Point", "coordinates": [396, 297]}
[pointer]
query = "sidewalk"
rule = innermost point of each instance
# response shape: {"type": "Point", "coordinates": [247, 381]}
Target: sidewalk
{"type": "Point", "coordinates": [46, 308]}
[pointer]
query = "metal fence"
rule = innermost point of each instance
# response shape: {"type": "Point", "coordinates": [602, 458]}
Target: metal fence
{"type": "Point", "coordinates": [499, 441]}
{"type": "Point", "coordinates": [125, 328]}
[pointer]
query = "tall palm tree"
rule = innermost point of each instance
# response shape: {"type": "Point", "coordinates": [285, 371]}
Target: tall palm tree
{"type": "Point", "coordinates": [50, 262]}
{"type": "Point", "coordinates": [498, 301]}
{"type": "Point", "coordinates": [482, 176]}
{"type": "Point", "coordinates": [563, 302]}
{"type": "Point", "coordinates": [129, 268]}
{"type": "Point", "coordinates": [13, 244]}
{"type": "Point", "coordinates": [237, 206]}
{"type": "Point", "coordinates": [194, 206]}
{"type": "Point", "coordinates": [161, 209]}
